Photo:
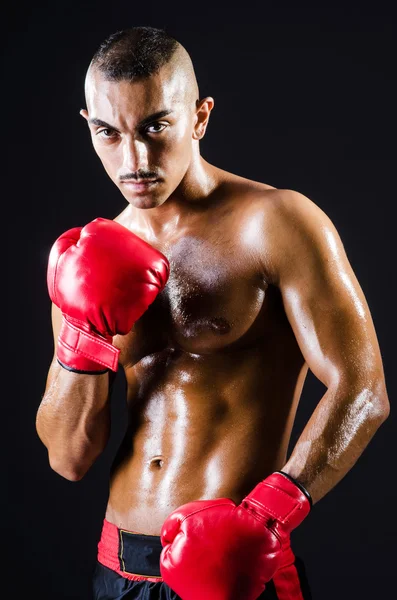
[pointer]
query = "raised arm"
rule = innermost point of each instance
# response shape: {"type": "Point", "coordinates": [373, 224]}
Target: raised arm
{"type": "Point", "coordinates": [73, 418]}
{"type": "Point", "coordinates": [331, 320]}
{"type": "Point", "coordinates": [101, 278]}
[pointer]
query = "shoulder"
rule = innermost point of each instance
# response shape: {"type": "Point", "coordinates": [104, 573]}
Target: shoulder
{"type": "Point", "coordinates": [287, 206]}
{"type": "Point", "coordinates": [292, 227]}
{"type": "Point", "coordinates": [298, 222]}
{"type": "Point", "coordinates": [281, 206]}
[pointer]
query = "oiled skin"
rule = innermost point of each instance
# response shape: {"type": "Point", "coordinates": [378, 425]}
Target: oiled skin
{"type": "Point", "coordinates": [260, 290]}
{"type": "Point", "coordinates": [213, 369]}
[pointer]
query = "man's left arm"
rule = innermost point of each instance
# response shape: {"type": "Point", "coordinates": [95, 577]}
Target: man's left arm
{"type": "Point", "coordinates": [237, 549]}
{"type": "Point", "coordinates": [331, 320]}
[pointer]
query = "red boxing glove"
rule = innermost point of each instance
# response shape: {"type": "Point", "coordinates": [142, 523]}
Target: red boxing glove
{"type": "Point", "coordinates": [103, 278]}
{"type": "Point", "coordinates": [217, 550]}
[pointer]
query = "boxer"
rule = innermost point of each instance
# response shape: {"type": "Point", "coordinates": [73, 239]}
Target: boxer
{"type": "Point", "coordinates": [214, 294]}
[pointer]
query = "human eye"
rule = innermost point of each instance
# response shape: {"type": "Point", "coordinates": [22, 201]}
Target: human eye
{"type": "Point", "coordinates": [154, 125]}
{"type": "Point", "coordinates": [106, 133]}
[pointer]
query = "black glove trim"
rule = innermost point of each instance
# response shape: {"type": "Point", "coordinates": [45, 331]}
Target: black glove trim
{"type": "Point", "coordinates": [82, 372]}
{"type": "Point", "coordinates": [299, 485]}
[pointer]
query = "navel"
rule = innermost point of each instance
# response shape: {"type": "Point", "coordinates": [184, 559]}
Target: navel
{"type": "Point", "coordinates": [156, 462]}
{"type": "Point", "coordinates": [220, 325]}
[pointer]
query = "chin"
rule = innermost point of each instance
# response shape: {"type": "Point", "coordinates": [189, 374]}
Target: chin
{"type": "Point", "coordinates": [149, 199]}
{"type": "Point", "coordinates": [145, 201]}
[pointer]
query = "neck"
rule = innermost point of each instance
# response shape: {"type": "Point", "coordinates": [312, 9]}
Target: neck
{"type": "Point", "coordinates": [200, 180]}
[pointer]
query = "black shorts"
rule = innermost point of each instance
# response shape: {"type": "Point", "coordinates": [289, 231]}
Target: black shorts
{"type": "Point", "coordinates": [128, 567]}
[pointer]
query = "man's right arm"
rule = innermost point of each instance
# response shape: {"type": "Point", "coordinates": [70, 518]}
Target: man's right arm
{"type": "Point", "coordinates": [101, 278]}
{"type": "Point", "coordinates": [73, 419]}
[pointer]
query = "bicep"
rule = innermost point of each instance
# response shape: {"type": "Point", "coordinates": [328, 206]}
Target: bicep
{"type": "Point", "coordinates": [323, 299]}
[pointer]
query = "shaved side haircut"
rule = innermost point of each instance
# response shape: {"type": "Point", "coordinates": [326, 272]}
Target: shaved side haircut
{"type": "Point", "coordinates": [136, 52]}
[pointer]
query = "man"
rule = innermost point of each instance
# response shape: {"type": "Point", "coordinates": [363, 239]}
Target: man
{"type": "Point", "coordinates": [215, 294]}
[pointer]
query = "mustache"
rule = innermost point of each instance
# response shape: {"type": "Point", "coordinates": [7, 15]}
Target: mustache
{"type": "Point", "coordinates": [138, 176]}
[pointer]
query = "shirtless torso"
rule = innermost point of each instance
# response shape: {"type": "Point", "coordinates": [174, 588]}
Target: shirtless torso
{"type": "Point", "coordinates": [213, 368]}
{"type": "Point", "coordinates": [260, 290]}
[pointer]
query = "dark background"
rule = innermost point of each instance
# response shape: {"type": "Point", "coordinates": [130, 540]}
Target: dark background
{"type": "Point", "coordinates": [305, 99]}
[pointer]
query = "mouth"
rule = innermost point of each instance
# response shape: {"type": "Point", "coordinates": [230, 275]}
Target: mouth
{"type": "Point", "coordinates": [140, 184]}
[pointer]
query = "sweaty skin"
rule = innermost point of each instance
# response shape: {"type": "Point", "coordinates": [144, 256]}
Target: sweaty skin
{"type": "Point", "coordinates": [260, 290]}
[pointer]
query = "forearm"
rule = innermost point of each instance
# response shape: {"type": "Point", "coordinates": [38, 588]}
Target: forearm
{"type": "Point", "coordinates": [73, 419]}
{"type": "Point", "coordinates": [340, 428]}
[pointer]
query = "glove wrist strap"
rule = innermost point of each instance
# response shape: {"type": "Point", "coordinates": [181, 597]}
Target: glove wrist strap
{"type": "Point", "coordinates": [300, 486]}
{"type": "Point", "coordinates": [279, 499]}
{"type": "Point", "coordinates": [84, 351]}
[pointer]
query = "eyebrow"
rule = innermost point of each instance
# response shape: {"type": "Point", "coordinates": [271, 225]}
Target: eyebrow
{"type": "Point", "coordinates": [158, 115]}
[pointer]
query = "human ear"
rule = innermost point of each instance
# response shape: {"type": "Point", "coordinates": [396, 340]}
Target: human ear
{"type": "Point", "coordinates": [204, 109]}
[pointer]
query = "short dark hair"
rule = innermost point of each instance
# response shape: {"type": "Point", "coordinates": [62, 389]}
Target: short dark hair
{"type": "Point", "coordinates": [134, 53]}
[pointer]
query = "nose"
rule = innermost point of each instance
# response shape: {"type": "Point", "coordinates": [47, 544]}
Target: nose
{"type": "Point", "coordinates": [135, 155]}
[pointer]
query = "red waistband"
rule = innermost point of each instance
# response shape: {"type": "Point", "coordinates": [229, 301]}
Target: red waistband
{"type": "Point", "coordinates": [109, 553]}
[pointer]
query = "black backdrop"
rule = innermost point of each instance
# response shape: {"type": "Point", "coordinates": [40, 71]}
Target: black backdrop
{"type": "Point", "coordinates": [304, 99]}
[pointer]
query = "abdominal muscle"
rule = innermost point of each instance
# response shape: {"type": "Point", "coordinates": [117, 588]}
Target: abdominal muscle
{"type": "Point", "coordinates": [202, 427]}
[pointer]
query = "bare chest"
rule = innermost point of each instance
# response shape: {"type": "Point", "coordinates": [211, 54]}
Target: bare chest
{"type": "Point", "coordinates": [214, 294]}
{"type": "Point", "coordinates": [215, 299]}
